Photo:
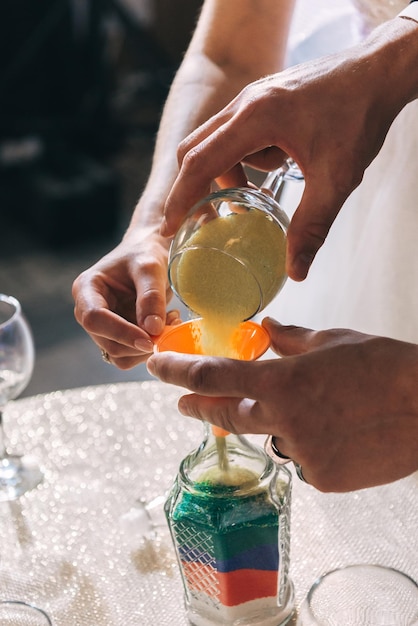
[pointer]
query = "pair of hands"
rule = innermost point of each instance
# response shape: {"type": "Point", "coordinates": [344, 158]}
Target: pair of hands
{"type": "Point", "coordinates": [330, 115]}
{"type": "Point", "coordinates": [340, 404]}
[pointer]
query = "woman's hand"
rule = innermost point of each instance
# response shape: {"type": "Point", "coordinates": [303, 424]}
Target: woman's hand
{"type": "Point", "coordinates": [340, 403]}
{"type": "Point", "coordinates": [121, 300]}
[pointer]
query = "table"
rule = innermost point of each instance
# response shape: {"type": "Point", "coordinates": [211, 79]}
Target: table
{"type": "Point", "coordinates": [73, 545]}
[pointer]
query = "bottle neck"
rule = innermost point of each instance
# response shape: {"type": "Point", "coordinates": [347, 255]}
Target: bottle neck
{"type": "Point", "coordinates": [226, 462]}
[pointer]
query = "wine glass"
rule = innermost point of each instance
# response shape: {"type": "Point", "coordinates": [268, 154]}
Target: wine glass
{"type": "Point", "coordinates": [18, 474]}
{"type": "Point", "coordinates": [18, 613]}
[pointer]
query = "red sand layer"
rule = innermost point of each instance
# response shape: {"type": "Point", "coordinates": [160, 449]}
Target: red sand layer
{"type": "Point", "coordinates": [232, 588]}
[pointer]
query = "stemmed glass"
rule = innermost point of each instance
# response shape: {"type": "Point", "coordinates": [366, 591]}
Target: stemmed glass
{"type": "Point", "coordinates": [18, 474]}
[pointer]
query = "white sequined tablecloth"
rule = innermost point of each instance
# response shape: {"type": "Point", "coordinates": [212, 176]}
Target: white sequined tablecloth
{"type": "Point", "coordinates": [74, 545]}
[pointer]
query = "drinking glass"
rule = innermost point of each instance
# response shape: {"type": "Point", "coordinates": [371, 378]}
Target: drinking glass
{"type": "Point", "coordinates": [18, 474]}
{"type": "Point", "coordinates": [230, 251]}
{"type": "Point", "coordinates": [361, 595]}
{"type": "Point", "coordinates": [18, 613]}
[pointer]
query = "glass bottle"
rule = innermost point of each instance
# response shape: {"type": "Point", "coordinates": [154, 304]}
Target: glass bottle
{"type": "Point", "coordinates": [229, 515]}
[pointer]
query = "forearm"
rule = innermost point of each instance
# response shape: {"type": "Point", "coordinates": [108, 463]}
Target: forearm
{"type": "Point", "coordinates": [233, 44]}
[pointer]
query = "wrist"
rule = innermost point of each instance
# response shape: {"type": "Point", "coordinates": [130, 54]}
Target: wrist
{"type": "Point", "coordinates": [148, 211]}
{"type": "Point", "coordinates": [391, 53]}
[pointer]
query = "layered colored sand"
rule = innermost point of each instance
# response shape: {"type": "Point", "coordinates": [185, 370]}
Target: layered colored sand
{"type": "Point", "coordinates": [227, 546]}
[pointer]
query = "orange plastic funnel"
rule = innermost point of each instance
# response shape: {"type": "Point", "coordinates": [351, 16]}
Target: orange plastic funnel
{"type": "Point", "coordinates": [250, 340]}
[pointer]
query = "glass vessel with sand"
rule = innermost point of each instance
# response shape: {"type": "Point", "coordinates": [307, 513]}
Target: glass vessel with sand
{"type": "Point", "coordinates": [227, 260]}
{"type": "Point", "coordinates": [229, 513]}
{"type": "Point", "coordinates": [230, 527]}
{"type": "Point", "coordinates": [229, 254]}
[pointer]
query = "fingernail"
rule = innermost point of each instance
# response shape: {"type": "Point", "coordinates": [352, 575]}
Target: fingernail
{"type": "Point", "coordinates": [182, 407]}
{"type": "Point", "coordinates": [154, 325]}
{"type": "Point", "coordinates": [151, 366]}
{"type": "Point", "coordinates": [271, 320]}
{"type": "Point", "coordinates": [145, 345]}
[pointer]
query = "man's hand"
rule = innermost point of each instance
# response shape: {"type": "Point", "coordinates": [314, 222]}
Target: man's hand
{"type": "Point", "coordinates": [331, 115]}
{"type": "Point", "coordinates": [340, 403]}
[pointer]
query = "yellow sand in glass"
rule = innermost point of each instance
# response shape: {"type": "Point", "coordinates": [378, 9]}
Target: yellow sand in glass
{"type": "Point", "coordinates": [229, 476]}
{"type": "Point", "coordinates": [231, 268]}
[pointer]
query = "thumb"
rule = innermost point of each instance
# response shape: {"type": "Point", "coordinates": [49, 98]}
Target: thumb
{"type": "Point", "coordinates": [290, 340]}
{"type": "Point", "coordinates": [309, 226]}
{"type": "Point", "coordinates": [294, 340]}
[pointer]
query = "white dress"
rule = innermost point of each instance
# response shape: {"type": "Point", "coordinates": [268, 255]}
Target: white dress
{"type": "Point", "coordinates": [365, 276]}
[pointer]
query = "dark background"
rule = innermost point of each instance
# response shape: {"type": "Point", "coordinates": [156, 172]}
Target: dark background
{"type": "Point", "coordinates": [82, 85]}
